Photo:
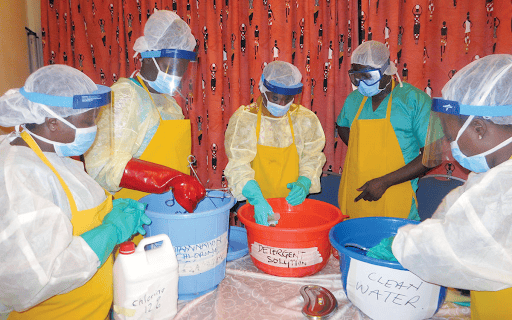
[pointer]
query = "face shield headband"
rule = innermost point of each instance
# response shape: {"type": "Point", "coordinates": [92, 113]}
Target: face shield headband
{"type": "Point", "coordinates": [282, 89]}
{"type": "Point", "coordinates": [455, 108]}
{"type": "Point", "coordinates": [172, 53]}
{"type": "Point", "coordinates": [437, 147]}
{"type": "Point", "coordinates": [99, 98]}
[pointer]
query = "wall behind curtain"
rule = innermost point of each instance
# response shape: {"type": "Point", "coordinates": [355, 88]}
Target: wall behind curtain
{"type": "Point", "coordinates": [235, 40]}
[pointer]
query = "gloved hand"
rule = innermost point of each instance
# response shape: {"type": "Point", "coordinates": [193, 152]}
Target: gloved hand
{"type": "Point", "coordinates": [262, 209]}
{"type": "Point", "coordinates": [414, 215]}
{"type": "Point", "coordinates": [383, 250]}
{"type": "Point", "coordinates": [124, 220]}
{"type": "Point", "coordinates": [154, 178]}
{"type": "Point", "coordinates": [298, 190]}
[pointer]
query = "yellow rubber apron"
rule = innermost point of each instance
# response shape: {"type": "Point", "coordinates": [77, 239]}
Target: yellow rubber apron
{"type": "Point", "coordinates": [92, 300]}
{"type": "Point", "coordinates": [275, 167]}
{"type": "Point", "coordinates": [491, 305]}
{"type": "Point", "coordinates": [170, 146]}
{"type": "Point", "coordinates": [373, 151]}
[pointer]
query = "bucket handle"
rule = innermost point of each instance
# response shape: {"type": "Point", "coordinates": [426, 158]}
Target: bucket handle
{"type": "Point", "coordinates": [154, 239]}
{"type": "Point", "coordinates": [226, 194]}
{"type": "Point", "coordinates": [355, 245]}
{"type": "Point", "coordinates": [170, 202]}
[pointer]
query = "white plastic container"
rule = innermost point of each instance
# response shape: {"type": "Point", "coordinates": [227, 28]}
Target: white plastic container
{"type": "Point", "coordinates": [146, 281]}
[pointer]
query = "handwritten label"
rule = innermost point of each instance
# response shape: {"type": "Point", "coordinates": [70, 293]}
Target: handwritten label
{"type": "Point", "coordinates": [201, 257]}
{"type": "Point", "coordinates": [285, 257]}
{"type": "Point", "coordinates": [153, 302]}
{"type": "Point", "coordinates": [385, 293]}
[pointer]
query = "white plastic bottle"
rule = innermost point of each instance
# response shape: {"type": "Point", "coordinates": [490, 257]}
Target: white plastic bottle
{"type": "Point", "coordinates": [146, 281]}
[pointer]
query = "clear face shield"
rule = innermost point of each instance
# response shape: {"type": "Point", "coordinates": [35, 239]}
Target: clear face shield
{"type": "Point", "coordinates": [437, 147]}
{"type": "Point", "coordinates": [99, 101]}
{"type": "Point", "coordinates": [444, 126]}
{"type": "Point", "coordinates": [279, 97]}
{"type": "Point", "coordinates": [177, 71]}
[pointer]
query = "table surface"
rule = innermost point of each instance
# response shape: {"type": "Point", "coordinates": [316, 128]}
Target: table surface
{"type": "Point", "coordinates": [250, 294]}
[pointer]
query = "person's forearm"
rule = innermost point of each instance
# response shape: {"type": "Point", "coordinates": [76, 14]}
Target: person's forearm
{"type": "Point", "coordinates": [408, 172]}
{"type": "Point", "coordinates": [344, 133]}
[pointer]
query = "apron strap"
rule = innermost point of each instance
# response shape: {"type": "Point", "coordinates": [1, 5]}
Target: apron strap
{"type": "Point", "coordinates": [360, 108]}
{"type": "Point", "coordinates": [258, 126]}
{"type": "Point", "coordinates": [33, 145]}
{"type": "Point", "coordinates": [149, 93]}
{"type": "Point", "coordinates": [388, 111]}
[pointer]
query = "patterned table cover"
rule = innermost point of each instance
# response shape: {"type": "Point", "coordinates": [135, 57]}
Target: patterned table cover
{"type": "Point", "coordinates": [250, 294]}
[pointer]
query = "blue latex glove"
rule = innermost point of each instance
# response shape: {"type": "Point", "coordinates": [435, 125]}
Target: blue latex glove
{"type": "Point", "coordinates": [383, 250]}
{"type": "Point", "coordinates": [298, 190]}
{"type": "Point", "coordinates": [262, 209]}
{"type": "Point", "coordinates": [125, 219]}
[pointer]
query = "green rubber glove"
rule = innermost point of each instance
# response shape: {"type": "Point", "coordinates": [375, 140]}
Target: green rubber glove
{"type": "Point", "coordinates": [413, 215]}
{"type": "Point", "coordinates": [262, 209]}
{"type": "Point", "coordinates": [125, 219]}
{"type": "Point", "coordinates": [383, 250]}
{"type": "Point", "coordinates": [298, 190]}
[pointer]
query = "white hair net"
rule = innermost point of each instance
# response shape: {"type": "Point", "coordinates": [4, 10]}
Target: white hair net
{"type": "Point", "coordinates": [165, 30]}
{"type": "Point", "coordinates": [55, 80]}
{"type": "Point", "coordinates": [484, 82]}
{"type": "Point", "coordinates": [282, 72]}
{"type": "Point", "coordinates": [374, 54]}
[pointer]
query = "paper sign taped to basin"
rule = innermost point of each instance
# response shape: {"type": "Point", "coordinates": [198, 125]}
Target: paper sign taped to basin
{"type": "Point", "coordinates": [201, 257]}
{"type": "Point", "coordinates": [385, 293]}
{"type": "Point", "coordinates": [285, 257]}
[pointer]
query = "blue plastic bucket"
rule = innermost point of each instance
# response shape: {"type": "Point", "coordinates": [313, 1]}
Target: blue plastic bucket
{"type": "Point", "coordinates": [381, 289]}
{"type": "Point", "coordinates": [200, 239]}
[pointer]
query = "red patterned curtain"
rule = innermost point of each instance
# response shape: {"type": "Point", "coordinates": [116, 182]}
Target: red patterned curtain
{"type": "Point", "coordinates": [429, 40]}
{"type": "Point", "coordinates": [236, 39]}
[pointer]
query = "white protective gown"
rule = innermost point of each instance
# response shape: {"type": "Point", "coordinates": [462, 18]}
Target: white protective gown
{"type": "Point", "coordinates": [240, 144]}
{"type": "Point", "coordinates": [39, 256]}
{"type": "Point", "coordinates": [467, 244]}
{"type": "Point", "coordinates": [128, 132]}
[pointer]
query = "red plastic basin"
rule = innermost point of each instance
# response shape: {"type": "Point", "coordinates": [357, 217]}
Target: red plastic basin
{"type": "Point", "coordinates": [299, 245]}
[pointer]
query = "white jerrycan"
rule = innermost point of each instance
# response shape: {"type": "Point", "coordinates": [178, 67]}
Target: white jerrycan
{"type": "Point", "coordinates": [146, 281]}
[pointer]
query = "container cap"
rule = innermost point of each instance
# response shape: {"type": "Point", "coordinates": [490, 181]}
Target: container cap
{"type": "Point", "coordinates": [127, 247]}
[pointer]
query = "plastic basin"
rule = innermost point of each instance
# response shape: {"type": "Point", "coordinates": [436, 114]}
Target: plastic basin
{"type": "Point", "coordinates": [200, 239]}
{"type": "Point", "coordinates": [299, 245]}
{"type": "Point", "coordinates": [383, 290]}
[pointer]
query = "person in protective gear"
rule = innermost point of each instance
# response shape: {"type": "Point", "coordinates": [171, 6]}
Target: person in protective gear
{"type": "Point", "coordinates": [466, 244]}
{"type": "Point", "coordinates": [384, 126]}
{"type": "Point", "coordinates": [274, 146]}
{"type": "Point", "coordinates": [59, 226]}
{"type": "Point", "coordinates": [151, 138]}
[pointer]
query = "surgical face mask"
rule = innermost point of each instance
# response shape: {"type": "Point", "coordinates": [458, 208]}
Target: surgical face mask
{"type": "Point", "coordinates": [476, 163]}
{"type": "Point", "coordinates": [84, 138]}
{"type": "Point", "coordinates": [278, 110]}
{"type": "Point", "coordinates": [164, 83]}
{"type": "Point", "coordinates": [369, 91]}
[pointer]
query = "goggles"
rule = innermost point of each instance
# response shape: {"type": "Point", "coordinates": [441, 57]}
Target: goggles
{"type": "Point", "coordinates": [99, 98]}
{"type": "Point", "coordinates": [443, 112]}
{"type": "Point", "coordinates": [368, 76]}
